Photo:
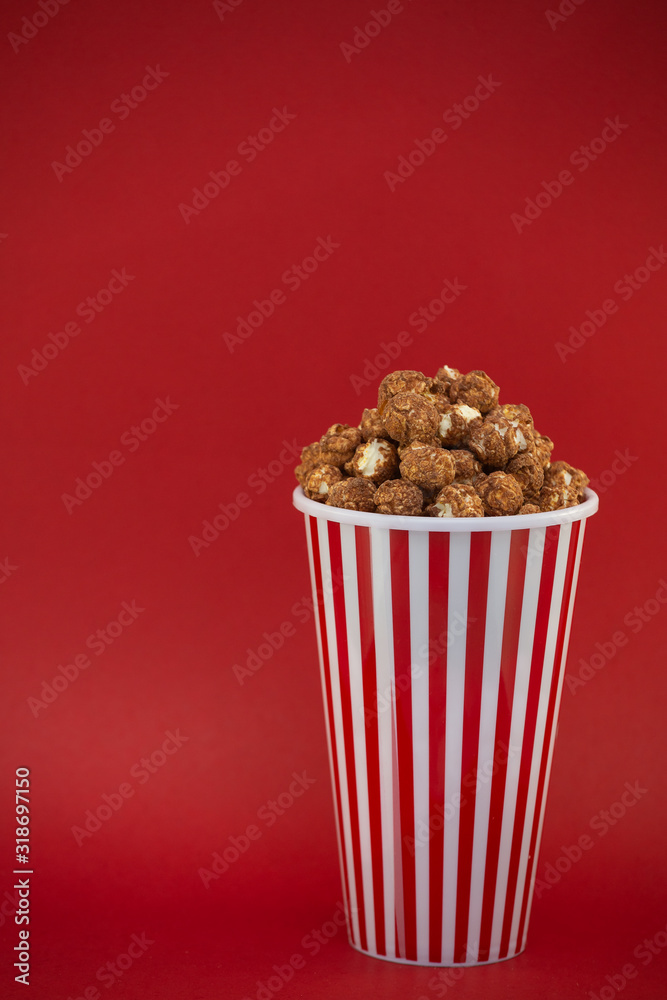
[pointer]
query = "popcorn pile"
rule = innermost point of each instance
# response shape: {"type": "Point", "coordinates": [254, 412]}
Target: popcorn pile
{"type": "Point", "coordinates": [439, 447]}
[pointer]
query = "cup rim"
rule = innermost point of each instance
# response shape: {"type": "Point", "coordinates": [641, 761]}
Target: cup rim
{"type": "Point", "coordinates": [452, 524]}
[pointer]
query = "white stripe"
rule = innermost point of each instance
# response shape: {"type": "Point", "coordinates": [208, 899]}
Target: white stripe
{"type": "Point", "coordinates": [543, 704]}
{"type": "Point", "coordinates": [524, 654]}
{"type": "Point", "coordinates": [459, 567]}
{"type": "Point", "coordinates": [327, 588]}
{"type": "Point", "coordinates": [384, 661]}
{"type": "Point", "coordinates": [493, 644]}
{"type": "Point", "coordinates": [561, 667]}
{"type": "Point", "coordinates": [419, 612]}
{"type": "Point", "coordinates": [349, 558]}
{"type": "Point", "coordinates": [326, 710]}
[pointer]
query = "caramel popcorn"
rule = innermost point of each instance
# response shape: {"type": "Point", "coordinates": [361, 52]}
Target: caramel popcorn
{"type": "Point", "coordinates": [466, 466]}
{"type": "Point", "coordinates": [501, 494]}
{"type": "Point", "coordinates": [352, 494]}
{"type": "Point", "coordinates": [310, 457]}
{"type": "Point", "coordinates": [520, 417]}
{"type": "Point", "coordinates": [457, 500]}
{"type": "Point", "coordinates": [427, 466]}
{"type": "Point", "coordinates": [475, 389]}
{"type": "Point", "coordinates": [440, 447]}
{"type": "Point", "coordinates": [456, 422]}
{"type": "Point", "coordinates": [399, 382]}
{"type": "Point", "coordinates": [375, 460]}
{"type": "Point", "coordinates": [528, 472]}
{"type": "Point", "coordinates": [562, 474]}
{"type": "Point", "coordinates": [494, 441]}
{"type": "Point", "coordinates": [371, 426]}
{"type": "Point", "coordinates": [446, 376]}
{"type": "Point", "coordinates": [543, 446]}
{"type": "Point", "coordinates": [555, 497]}
{"type": "Point", "coordinates": [397, 496]}
{"type": "Point", "coordinates": [320, 480]}
{"type": "Point", "coordinates": [339, 443]}
{"type": "Point", "coordinates": [408, 417]}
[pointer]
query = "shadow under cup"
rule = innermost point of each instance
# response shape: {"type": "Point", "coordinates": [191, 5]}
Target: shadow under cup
{"type": "Point", "coordinates": [442, 646]}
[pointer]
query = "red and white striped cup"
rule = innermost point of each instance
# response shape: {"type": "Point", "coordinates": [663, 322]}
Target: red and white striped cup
{"type": "Point", "coordinates": [442, 645]}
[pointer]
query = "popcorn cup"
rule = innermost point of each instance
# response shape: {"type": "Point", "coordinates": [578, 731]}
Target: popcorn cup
{"type": "Point", "coordinates": [442, 646]}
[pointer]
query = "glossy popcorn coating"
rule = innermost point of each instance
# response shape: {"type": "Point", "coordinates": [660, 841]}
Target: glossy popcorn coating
{"type": "Point", "coordinates": [320, 480]}
{"type": "Point", "coordinates": [456, 422]}
{"type": "Point", "coordinates": [501, 494]}
{"type": "Point", "coordinates": [446, 376]}
{"type": "Point", "coordinates": [475, 389]}
{"type": "Point", "coordinates": [427, 466]}
{"type": "Point", "coordinates": [494, 442]}
{"type": "Point", "coordinates": [556, 497]}
{"type": "Point", "coordinates": [528, 472]}
{"type": "Point", "coordinates": [520, 417]}
{"type": "Point", "coordinates": [371, 425]}
{"type": "Point", "coordinates": [352, 494]}
{"type": "Point", "coordinates": [563, 474]}
{"type": "Point", "coordinates": [375, 460]}
{"type": "Point", "coordinates": [457, 500]}
{"type": "Point", "coordinates": [442, 447]}
{"type": "Point", "coordinates": [310, 457]}
{"type": "Point", "coordinates": [466, 466]}
{"type": "Point", "coordinates": [542, 447]}
{"type": "Point", "coordinates": [339, 444]}
{"type": "Point", "coordinates": [399, 382]}
{"type": "Point", "coordinates": [397, 496]}
{"type": "Point", "coordinates": [408, 417]}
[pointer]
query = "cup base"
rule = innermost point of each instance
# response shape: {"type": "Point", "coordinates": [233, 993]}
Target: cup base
{"type": "Point", "coordinates": [434, 965]}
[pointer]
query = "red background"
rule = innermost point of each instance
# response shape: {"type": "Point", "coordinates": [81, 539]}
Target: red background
{"type": "Point", "coordinates": [163, 337]}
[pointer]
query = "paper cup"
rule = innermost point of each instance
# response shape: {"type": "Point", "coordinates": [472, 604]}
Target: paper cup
{"type": "Point", "coordinates": [442, 646]}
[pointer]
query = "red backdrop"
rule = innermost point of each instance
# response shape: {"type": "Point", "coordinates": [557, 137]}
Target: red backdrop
{"type": "Point", "coordinates": [541, 199]}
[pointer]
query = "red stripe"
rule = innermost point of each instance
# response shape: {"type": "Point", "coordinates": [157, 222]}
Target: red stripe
{"type": "Point", "coordinates": [511, 626]}
{"type": "Point", "coordinates": [438, 562]}
{"type": "Point", "coordinates": [400, 587]}
{"type": "Point", "coordinates": [369, 675]}
{"type": "Point", "coordinates": [550, 723]}
{"type": "Point", "coordinates": [478, 586]}
{"type": "Point", "coordinates": [346, 704]}
{"type": "Point", "coordinates": [328, 704]}
{"type": "Point", "coordinates": [530, 724]}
